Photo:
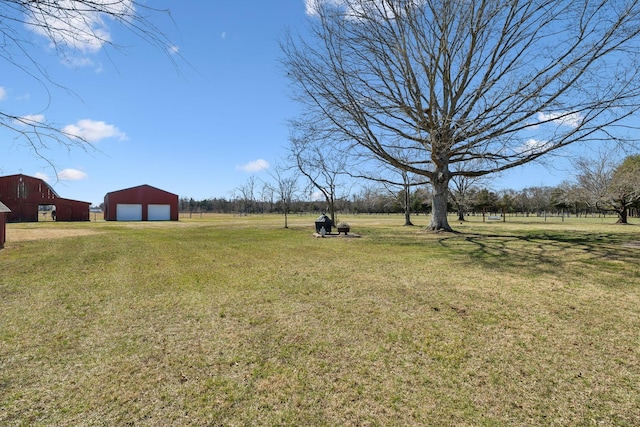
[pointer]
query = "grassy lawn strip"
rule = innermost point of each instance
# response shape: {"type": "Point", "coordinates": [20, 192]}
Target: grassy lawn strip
{"type": "Point", "coordinates": [236, 321]}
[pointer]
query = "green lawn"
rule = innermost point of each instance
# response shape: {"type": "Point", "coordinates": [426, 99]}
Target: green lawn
{"type": "Point", "coordinates": [237, 321]}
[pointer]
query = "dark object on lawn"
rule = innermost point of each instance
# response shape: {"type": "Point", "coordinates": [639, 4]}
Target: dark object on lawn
{"type": "Point", "coordinates": [325, 222]}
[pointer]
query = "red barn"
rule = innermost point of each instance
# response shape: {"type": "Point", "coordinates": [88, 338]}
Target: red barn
{"type": "Point", "coordinates": [3, 223]}
{"type": "Point", "coordinates": [24, 194]}
{"type": "Point", "coordinates": [142, 203]}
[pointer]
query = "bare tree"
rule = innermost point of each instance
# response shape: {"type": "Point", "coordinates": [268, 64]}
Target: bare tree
{"type": "Point", "coordinates": [460, 192]}
{"type": "Point", "coordinates": [608, 186]}
{"type": "Point", "coordinates": [406, 197]}
{"type": "Point", "coordinates": [267, 194]}
{"type": "Point", "coordinates": [248, 193]}
{"type": "Point", "coordinates": [442, 88]}
{"type": "Point", "coordinates": [393, 179]}
{"type": "Point", "coordinates": [625, 187]}
{"type": "Point", "coordinates": [321, 164]}
{"type": "Point", "coordinates": [74, 28]}
{"type": "Point", "coordinates": [593, 177]}
{"type": "Point", "coordinates": [285, 188]}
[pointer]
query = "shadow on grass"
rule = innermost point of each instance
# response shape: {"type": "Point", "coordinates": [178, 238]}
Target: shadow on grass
{"type": "Point", "coordinates": [541, 252]}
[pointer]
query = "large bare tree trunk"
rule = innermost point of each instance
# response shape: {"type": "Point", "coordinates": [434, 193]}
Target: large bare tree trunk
{"type": "Point", "coordinates": [439, 220]}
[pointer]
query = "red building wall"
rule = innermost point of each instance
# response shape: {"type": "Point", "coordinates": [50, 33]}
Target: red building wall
{"type": "Point", "coordinates": [23, 194]}
{"type": "Point", "coordinates": [144, 195]}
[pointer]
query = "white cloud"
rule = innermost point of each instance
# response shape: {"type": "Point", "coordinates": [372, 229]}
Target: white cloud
{"type": "Point", "coordinates": [316, 196]}
{"type": "Point", "coordinates": [311, 6]}
{"type": "Point", "coordinates": [42, 176]}
{"type": "Point", "coordinates": [71, 175]}
{"type": "Point", "coordinates": [566, 119]}
{"type": "Point", "coordinates": [94, 131]}
{"type": "Point", "coordinates": [532, 146]}
{"type": "Point", "coordinates": [68, 23]}
{"type": "Point", "coordinates": [30, 119]}
{"type": "Point", "coordinates": [223, 35]}
{"type": "Point", "coordinates": [174, 50]}
{"type": "Point", "coordinates": [255, 166]}
{"type": "Point", "coordinates": [3, 93]}
{"type": "Point", "coordinates": [356, 10]}
{"type": "Point", "coordinates": [77, 62]}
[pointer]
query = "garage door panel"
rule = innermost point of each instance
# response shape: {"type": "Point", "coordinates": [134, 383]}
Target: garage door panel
{"type": "Point", "coordinates": [159, 212]}
{"type": "Point", "coordinates": [128, 212]}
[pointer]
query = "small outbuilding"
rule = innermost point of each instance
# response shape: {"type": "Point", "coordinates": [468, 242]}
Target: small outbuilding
{"type": "Point", "coordinates": [4, 210]}
{"type": "Point", "coordinates": [141, 203]}
{"type": "Point", "coordinates": [25, 195]}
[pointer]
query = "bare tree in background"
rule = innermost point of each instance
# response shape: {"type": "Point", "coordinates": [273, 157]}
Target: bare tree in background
{"type": "Point", "coordinates": [594, 176]}
{"type": "Point", "coordinates": [625, 187]}
{"type": "Point", "coordinates": [442, 88]}
{"type": "Point", "coordinates": [248, 194]}
{"type": "Point", "coordinates": [610, 186]}
{"type": "Point", "coordinates": [321, 164]}
{"type": "Point", "coordinates": [285, 188]}
{"type": "Point", "coordinates": [393, 180]}
{"type": "Point", "coordinates": [73, 28]}
{"type": "Point", "coordinates": [267, 194]}
{"type": "Point", "coordinates": [460, 192]}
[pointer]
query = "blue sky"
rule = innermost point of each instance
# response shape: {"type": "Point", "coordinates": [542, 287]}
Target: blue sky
{"type": "Point", "coordinates": [199, 130]}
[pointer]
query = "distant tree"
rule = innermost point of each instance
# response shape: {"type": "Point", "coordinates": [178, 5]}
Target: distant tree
{"type": "Point", "coordinates": [506, 202]}
{"type": "Point", "coordinates": [422, 199]}
{"type": "Point", "coordinates": [538, 198]}
{"type": "Point", "coordinates": [609, 186]}
{"type": "Point", "coordinates": [72, 27]}
{"type": "Point", "coordinates": [406, 197]}
{"type": "Point", "coordinates": [460, 192]}
{"type": "Point", "coordinates": [321, 164]}
{"type": "Point", "coordinates": [572, 197]}
{"type": "Point", "coordinates": [560, 200]}
{"type": "Point", "coordinates": [267, 193]}
{"type": "Point", "coordinates": [398, 183]}
{"type": "Point", "coordinates": [402, 196]}
{"type": "Point", "coordinates": [485, 200]}
{"type": "Point", "coordinates": [285, 187]}
{"type": "Point", "coordinates": [485, 85]}
{"type": "Point", "coordinates": [624, 188]}
{"type": "Point", "coordinates": [247, 193]}
{"type": "Point", "coordinates": [367, 199]}
{"type": "Point", "coordinates": [593, 176]}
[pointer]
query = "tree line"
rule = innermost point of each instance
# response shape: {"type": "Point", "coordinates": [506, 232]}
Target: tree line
{"type": "Point", "coordinates": [601, 187]}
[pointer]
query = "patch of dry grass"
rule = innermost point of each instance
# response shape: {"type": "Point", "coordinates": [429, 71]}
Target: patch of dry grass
{"type": "Point", "coordinates": [236, 321]}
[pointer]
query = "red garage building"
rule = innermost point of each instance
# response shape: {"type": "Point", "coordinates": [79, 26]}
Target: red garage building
{"type": "Point", "coordinates": [3, 223]}
{"type": "Point", "coordinates": [142, 203]}
{"type": "Point", "coordinates": [24, 194]}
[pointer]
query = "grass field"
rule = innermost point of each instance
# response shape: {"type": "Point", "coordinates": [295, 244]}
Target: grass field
{"type": "Point", "coordinates": [234, 321]}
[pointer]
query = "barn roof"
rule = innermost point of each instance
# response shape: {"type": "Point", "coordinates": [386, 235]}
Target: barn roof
{"type": "Point", "coordinates": [4, 208]}
{"type": "Point", "coordinates": [32, 178]}
{"type": "Point", "coordinates": [142, 186]}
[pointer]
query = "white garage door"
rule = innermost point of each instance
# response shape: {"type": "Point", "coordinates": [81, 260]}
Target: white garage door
{"type": "Point", "coordinates": [159, 213]}
{"type": "Point", "coordinates": [126, 212]}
